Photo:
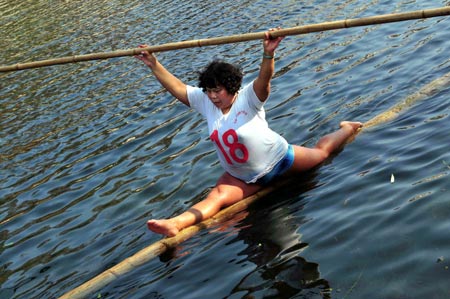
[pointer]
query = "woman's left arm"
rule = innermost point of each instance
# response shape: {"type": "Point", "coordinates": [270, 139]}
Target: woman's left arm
{"type": "Point", "coordinates": [261, 85]}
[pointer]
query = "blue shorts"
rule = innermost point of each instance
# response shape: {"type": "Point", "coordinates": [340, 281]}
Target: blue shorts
{"type": "Point", "coordinates": [280, 168]}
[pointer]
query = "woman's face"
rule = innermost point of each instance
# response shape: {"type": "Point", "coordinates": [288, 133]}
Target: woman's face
{"type": "Point", "coordinates": [221, 98]}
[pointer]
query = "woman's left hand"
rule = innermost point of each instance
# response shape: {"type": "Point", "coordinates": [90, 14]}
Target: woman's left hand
{"type": "Point", "coordinates": [270, 44]}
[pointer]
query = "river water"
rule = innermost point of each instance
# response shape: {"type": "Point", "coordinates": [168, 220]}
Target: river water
{"type": "Point", "coordinates": [90, 151]}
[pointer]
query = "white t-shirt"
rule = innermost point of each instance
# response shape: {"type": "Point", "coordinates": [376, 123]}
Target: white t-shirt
{"type": "Point", "coordinates": [247, 148]}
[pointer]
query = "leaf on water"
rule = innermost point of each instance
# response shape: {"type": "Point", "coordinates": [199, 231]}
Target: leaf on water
{"type": "Point", "coordinates": [445, 163]}
{"type": "Point", "coordinates": [10, 244]}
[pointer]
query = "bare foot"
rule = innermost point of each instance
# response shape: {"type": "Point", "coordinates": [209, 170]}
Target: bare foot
{"type": "Point", "coordinates": [164, 226]}
{"type": "Point", "coordinates": [354, 125]}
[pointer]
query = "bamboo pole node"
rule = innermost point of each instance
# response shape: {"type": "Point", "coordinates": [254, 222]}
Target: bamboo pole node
{"type": "Point", "coordinates": [305, 29]}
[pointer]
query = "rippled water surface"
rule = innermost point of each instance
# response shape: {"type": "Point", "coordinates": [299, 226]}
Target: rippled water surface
{"type": "Point", "coordinates": [90, 151]}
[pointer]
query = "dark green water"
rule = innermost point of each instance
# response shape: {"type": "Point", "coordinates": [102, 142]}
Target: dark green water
{"type": "Point", "coordinates": [90, 151]}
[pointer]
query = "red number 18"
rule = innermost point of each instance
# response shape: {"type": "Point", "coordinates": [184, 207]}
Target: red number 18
{"type": "Point", "coordinates": [233, 146]}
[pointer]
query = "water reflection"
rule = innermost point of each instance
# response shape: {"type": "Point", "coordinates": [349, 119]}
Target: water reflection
{"type": "Point", "coordinates": [274, 245]}
{"type": "Point", "coordinates": [267, 235]}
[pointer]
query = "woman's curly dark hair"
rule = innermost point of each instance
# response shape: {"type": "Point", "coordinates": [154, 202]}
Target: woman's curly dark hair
{"type": "Point", "coordinates": [221, 73]}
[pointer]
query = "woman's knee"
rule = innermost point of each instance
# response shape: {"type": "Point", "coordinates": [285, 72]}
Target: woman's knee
{"type": "Point", "coordinates": [322, 153]}
{"type": "Point", "coordinates": [324, 145]}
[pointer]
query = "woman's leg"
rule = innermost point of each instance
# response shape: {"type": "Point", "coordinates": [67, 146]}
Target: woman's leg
{"type": "Point", "coordinates": [227, 191]}
{"type": "Point", "coordinates": [230, 190]}
{"type": "Point", "coordinates": [308, 158]}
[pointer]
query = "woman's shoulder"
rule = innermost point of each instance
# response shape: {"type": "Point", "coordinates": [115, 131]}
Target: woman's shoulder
{"type": "Point", "coordinates": [248, 85]}
{"type": "Point", "coordinates": [249, 93]}
{"type": "Point", "coordinates": [198, 100]}
{"type": "Point", "coordinates": [194, 94]}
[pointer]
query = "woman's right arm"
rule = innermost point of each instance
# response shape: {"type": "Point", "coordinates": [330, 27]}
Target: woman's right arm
{"type": "Point", "coordinates": [173, 85]}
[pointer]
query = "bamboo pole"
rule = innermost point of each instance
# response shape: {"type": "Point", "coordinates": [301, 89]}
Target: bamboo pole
{"type": "Point", "coordinates": [87, 289]}
{"type": "Point", "coordinates": [374, 20]}
{"type": "Point", "coordinates": [425, 92]}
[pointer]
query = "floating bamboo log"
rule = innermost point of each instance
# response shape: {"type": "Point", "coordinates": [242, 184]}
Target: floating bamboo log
{"type": "Point", "coordinates": [425, 92]}
{"type": "Point", "coordinates": [90, 287]}
{"type": "Point", "coordinates": [374, 20]}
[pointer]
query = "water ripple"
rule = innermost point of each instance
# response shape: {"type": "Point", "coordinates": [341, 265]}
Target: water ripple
{"type": "Point", "coordinates": [89, 151]}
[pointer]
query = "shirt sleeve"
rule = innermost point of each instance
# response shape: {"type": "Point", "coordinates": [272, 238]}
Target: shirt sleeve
{"type": "Point", "coordinates": [250, 94]}
{"type": "Point", "coordinates": [197, 99]}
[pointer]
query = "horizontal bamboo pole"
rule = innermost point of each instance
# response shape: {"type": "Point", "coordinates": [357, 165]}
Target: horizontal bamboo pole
{"type": "Point", "coordinates": [374, 20]}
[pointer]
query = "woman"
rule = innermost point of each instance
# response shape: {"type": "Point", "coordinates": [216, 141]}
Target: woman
{"type": "Point", "coordinates": [249, 151]}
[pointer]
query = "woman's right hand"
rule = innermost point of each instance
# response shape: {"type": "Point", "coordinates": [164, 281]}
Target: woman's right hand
{"type": "Point", "coordinates": [148, 58]}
